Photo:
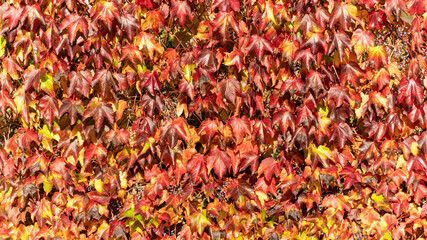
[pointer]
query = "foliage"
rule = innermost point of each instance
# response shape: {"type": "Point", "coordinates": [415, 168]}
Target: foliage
{"type": "Point", "coordinates": [213, 119]}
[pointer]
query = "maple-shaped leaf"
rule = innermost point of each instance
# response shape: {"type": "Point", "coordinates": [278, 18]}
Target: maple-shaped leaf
{"type": "Point", "coordinates": [229, 88]}
{"type": "Point", "coordinates": [263, 130]}
{"type": "Point", "coordinates": [239, 188]}
{"type": "Point", "coordinates": [106, 12]}
{"type": "Point", "coordinates": [352, 176]}
{"type": "Point", "coordinates": [416, 7]}
{"type": "Point", "coordinates": [342, 13]}
{"type": "Point", "coordinates": [377, 19]}
{"type": "Point", "coordinates": [199, 221]}
{"type": "Point", "coordinates": [74, 23]}
{"type": "Point", "coordinates": [23, 100]}
{"type": "Point", "coordinates": [26, 137]}
{"type": "Point", "coordinates": [362, 40]}
{"type": "Point", "coordinates": [181, 9]}
{"type": "Point", "coordinates": [308, 23]}
{"type": "Point", "coordinates": [49, 108]}
{"type": "Point", "coordinates": [339, 42]}
{"type": "Point", "coordinates": [410, 90]}
{"type": "Point", "coordinates": [249, 159]}
{"type": "Point", "coordinates": [395, 6]}
{"type": "Point", "coordinates": [420, 193]}
{"type": "Point", "coordinates": [72, 107]}
{"type": "Point", "coordinates": [207, 60]}
{"type": "Point", "coordinates": [98, 109]}
{"type": "Point", "coordinates": [382, 79]}
{"type": "Point", "coordinates": [95, 150]}
{"type": "Point", "coordinates": [6, 101]}
{"type": "Point", "coordinates": [146, 41]}
{"type": "Point", "coordinates": [306, 56]}
{"type": "Point", "coordinates": [315, 82]}
{"type": "Point", "coordinates": [259, 45]}
{"type": "Point", "coordinates": [106, 79]}
{"type": "Point", "coordinates": [342, 132]}
{"type": "Point", "coordinates": [34, 15]}
{"type": "Point", "coordinates": [132, 53]}
{"type": "Point", "coordinates": [316, 42]}
{"type": "Point", "coordinates": [152, 103]}
{"type": "Point", "coordinates": [210, 127]}
{"type": "Point", "coordinates": [269, 166]}
{"type": "Point", "coordinates": [80, 81]}
{"type": "Point", "coordinates": [37, 162]}
{"type": "Point", "coordinates": [225, 20]}
{"type": "Point", "coordinates": [240, 126]}
{"type": "Point", "coordinates": [350, 72]}
{"type": "Point", "coordinates": [117, 137]}
{"type": "Point", "coordinates": [70, 146]}
{"type": "Point", "coordinates": [174, 128]}
{"type": "Point", "coordinates": [225, 5]}
{"type": "Point", "coordinates": [220, 161]}
{"type": "Point", "coordinates": [127, 20]}
{"type": "Point", "coordinates": [151, 82]}
{"type": "Point", "coordinates": [13, 14]}
{"type": "Point", "coordinates": [339, 94]}
{"type": "Point", "coordinates": [235, 58]}
{"type": "Point", "coordinates": [12, 67]}
{"type": "Point", "coordinates": [378, 56]}
{"type": "Point", "coordinates": [286, 119]}
{"type": "Point", "coordinates": [32, 77]}
{"type": "Point", "coordinates": [197, 168]}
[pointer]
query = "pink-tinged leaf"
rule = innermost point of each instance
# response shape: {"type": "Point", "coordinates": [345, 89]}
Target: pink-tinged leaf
{"type": "Point", "coordinates": [229, 88]}
{"type": "Point", "coordinates": [210, 127]}
{"type": "Point", "coordinates": [181, 9]}
{"type": "Point", "coordinates": [410, 90]}
{"type": "Point", "coordinates": [339, 94]}
{"type": "Point", "coordinates": [151, 82]}
{"type": "Point", "coordinates": [259, 45]}
{"type": "Point", "coordinates": [342, 132]}
{"type": "Point", "coordinates": [197, 168]}
{"type": "Point", "coordinates": [339, 43]}
{"type": "Point", "coordinates": [269, 166]}
{"type": "Point", "coordinates": [80, 81]}
{"type": "Point", "coordinates": [226, 5]}
{"type": "Point", "coordinates": [240, 127]}
{"type": "Point", "coordinates": [32, 77]}
{"type": "Point", "coordinates": [14, 15]}
{"type": "Point", "coordinates": [220, 161]}
{"type": "Point", "coordinates": [74, 23]}
{"type": "Point", "coordinates": [72, 107]}
{"type": "Point", "coordinates": [6, 101]}
{"type": "Point", "coordinates": [286, 119]}
{"type": "Point", "coordinates": [49, 108]}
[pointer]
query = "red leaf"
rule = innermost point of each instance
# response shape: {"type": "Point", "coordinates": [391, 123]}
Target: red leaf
{"type": "Point", "coordinates": [95, 150]}
{"type": "Point", "coordinates": [259, 45]}
{"type": "Point", "coordinates": [197, 168]}
{"type": "Point", "coordinates": [410, 90]}
{"type": "Point", "coordinates": [269, 166]}
{"type": "Point", "coordinates": [220, 161]}
{"type": "Point", "coordinates": [49, 108]}
{"type": "Point", "coordinates": [98, 110]}
{"type": "Point", "coordinates": [74, 23]}
{"type": "Point", "coordinates": [342, 132]}
{"type": "Point", "coordinates": [181, 9]}
{"type": "Point", "coordinates": [240, 126]}
{"type": "Point", "coordinates": [229, 88]}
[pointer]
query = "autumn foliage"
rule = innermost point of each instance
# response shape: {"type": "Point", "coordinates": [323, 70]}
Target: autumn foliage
{"type": "Point", "coordinates": [213, 119]}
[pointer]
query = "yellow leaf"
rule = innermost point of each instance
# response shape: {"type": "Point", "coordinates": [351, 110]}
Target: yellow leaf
{"type": "Point", "coordinates": [98, 185]}
{"type": "Point", "coordinates": [414, 148]}
{"type": "Point", "coordinates": [146, 41]}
